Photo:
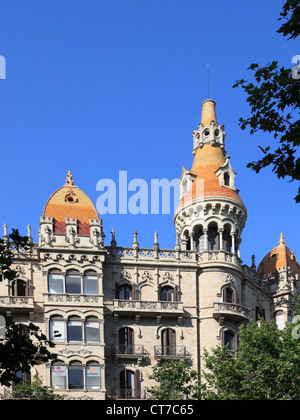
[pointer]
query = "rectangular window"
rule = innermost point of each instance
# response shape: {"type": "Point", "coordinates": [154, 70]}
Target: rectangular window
{"type": "Point", "coordinates": [56, 283]}
{"type": "Point", "coordinates": [75, 331]}
{"type": "Point", "coordinates": [73, 284]}
{"type": "Point", "coordinates": [92, 379]}
{"type": "Point", "coordinates": [57, 331]}
{"type": "Point", "coordinates": [59, 377]}
{"type": "Point", "coordinates": [92, 332]}
{"type": "Point", "coordinates": [90, 285]}
{"type": "Point", "coordinates": [75, 377]}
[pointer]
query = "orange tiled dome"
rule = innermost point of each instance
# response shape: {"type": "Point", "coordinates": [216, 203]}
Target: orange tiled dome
{"type": "Point", "coordinates": [69, 201]}
{"type": "Point", "coordinates": [279, 257]}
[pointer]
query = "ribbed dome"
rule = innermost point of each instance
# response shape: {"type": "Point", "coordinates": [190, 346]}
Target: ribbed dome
{"type": "Point", "coordinates": [69, 201]}
{"type": "Point", "coordinates": [279, 257]}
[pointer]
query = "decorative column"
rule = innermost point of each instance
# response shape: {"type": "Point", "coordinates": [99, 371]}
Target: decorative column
{"type": "Point", "coordinates": [205, 231]}
{"type": "Point", "coordinates": [221, 239]}
{"type": "Point", "coordinates": [233, 243]}
{"type": "Point", "coordinates": [191, 236]}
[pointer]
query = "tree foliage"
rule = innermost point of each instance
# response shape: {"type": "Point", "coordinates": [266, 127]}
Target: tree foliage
{"type": "Point", "coordinates": [176, 380]}
{"type": "Point", "coordinates": [274, 101]}
{"type": "Point", "coordinates": [266, 367]}
{"type": "Point", "coordinates": [24, 346]}
{"type": "Point", "coordinates": [35, 391]}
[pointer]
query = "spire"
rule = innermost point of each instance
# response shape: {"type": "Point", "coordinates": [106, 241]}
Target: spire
{"type": "Point", "coordinates": [208, 112]}
{"type": "Point", "coordinates": [69, 180]}
{"type": "Point", "coordinates": [281, 240]}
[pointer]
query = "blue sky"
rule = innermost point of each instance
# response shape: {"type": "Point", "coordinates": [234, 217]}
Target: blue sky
{"type": "Point", "coordinates": [102, 86]}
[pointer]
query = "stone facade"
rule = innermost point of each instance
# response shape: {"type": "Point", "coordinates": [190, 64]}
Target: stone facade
{"type": "Point", "coordinates": [115, 312]}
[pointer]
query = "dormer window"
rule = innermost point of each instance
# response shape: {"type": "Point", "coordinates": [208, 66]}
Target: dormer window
{"type": "Point", "coordinates": [227, 179]}
{"type": "Point", "coordinates": [226, 175]}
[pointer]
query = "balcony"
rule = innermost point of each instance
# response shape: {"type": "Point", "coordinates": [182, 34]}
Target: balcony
{"type": "Point", "coordinates": [128, 351]}
{"type": "Point", "coordinates": [64, 299]}
{"type": "Point", "coordinates": [128, 394]}
{"type": "Point", "coordinates": [231, 311]}
{"type": "Point", "coordinates": [20, 304]}
{"type": "Point", "coordinates": [219, 256]}
{"type": "Point", "coordinates": [148, 308]}
{"type": "Point", "coordinates": [170, 352]}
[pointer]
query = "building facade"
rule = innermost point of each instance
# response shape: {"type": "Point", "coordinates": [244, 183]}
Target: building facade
{"type": "Point", "coordinates": [115, 312]}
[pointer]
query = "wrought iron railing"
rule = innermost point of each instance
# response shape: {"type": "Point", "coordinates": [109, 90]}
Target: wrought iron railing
{"type": "Point", "coordinates": [128, 349]}
{"type": "Point", "coordinates": [170, 351]}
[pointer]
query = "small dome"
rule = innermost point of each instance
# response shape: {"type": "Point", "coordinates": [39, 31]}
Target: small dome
{"type": "Point", "coordinates": [70, 202]}
{"type": "Point", "coordinates": [279, 257]}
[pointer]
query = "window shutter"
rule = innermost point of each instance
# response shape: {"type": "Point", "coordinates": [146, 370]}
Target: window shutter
{"type": "Point", "coordinates": [235, 298]}
{"type": "Point", "coordinates": [117, 291]}
{"type": "Point", "coordinates": [176, 294]}
{"type": "Point", "coordinates": [133, 292]}
{"type": "Point", "coordinates": [137, 384]}
{"type": "Point", "coordinates": [235, 342]}
{"type": "Point", "coordinates": [159, 292]}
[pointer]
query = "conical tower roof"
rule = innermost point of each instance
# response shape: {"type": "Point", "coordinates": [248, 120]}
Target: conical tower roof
{"type": "Point", "coordinates": [209, 158]}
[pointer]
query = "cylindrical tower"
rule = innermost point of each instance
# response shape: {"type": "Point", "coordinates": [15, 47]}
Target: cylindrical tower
{"type": "Point", "coordinates": [209, 220]}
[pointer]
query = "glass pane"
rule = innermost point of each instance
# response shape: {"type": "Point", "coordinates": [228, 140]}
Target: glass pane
{"type": "Point", "coordinates": [74, 331]}
{"type": "Point", "coordinates": [280, 321]}
{"type": "Point", "coordinates": [73, 284]}
{"type": "Point", "coordinates": [201, 243]}
{"type": "Point", "coordinates": [58, 377]}
{"type": "Point", "coordinates": [75, 377]}
{"type": "Point", "coordinates": [57, 331]}
{"type": "Point", "coordinates": [167, 294]}
{"type": "Point", "coordinates": [228, 340]}
{"type": "Point", "coordinates": [125, 293]}
{"type": "Point", "coordinates": [90, 285]}
{"type": "Point", "coordinates": [92, 332]}
{"type": "Point", "coordinates": [92, 377]}
{"type": "Point", "coordinates": [56, 283]}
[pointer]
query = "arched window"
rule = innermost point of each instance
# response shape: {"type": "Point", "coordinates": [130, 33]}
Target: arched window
{"type": "Point", "coordinates": [56, 281]}
{"type": "Point", "coordinates": [167, 294]}
{"type": "Point", "coordinates": [90, 283]}
{"type": "Point", "coordinates": [229, 340]}
{"type": "Point", "coordinates": [168, 341]}
{"type": "Point", "coordinates": [92, 375]}
{"type": "Point", "coordinates": [59, 375]}
{"type": "Point", "coordinates": [188, 241]}
{"type": "Point", "coordinates": [279, 319]}
{"type": "Point", "coordinates": [212, 239]}
{"type": "Point", "coordinates": [73, 282]}
{"type": "Point", "coordinates": [259, 313]}
{"type": "Point", "coordinates": [19, 288]}
{"type": "Point", "coordinates": [74, 329]}
{"type": "Point", "coordinates": [228, 295]}
{"type": "Point", "coordinates": [57, 329]}
{"type": "Point", "coordinates": [126, 340]}
{"type": "Point", "coordinates": [226, 241]}
{"type": "Point", "coordinates": [199, 240]}
{"type": "Point", "coordinates": [91, 330]}
{"type": "Point", "coordinates": [124, 292]}
{"type": "Point", "coordinates": [127, 384]}
{"type": "Point", "coordinates": [75, 375]}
